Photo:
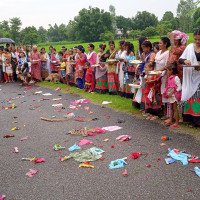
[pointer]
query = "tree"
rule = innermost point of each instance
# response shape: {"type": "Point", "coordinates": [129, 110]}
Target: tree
{"type": "Point", "coordinates": [149, 31]}
{"type": "Point", "coordinates": [4, 25]}
{"type": "Point", "coordinates": [15, 25]}
{"type": "Point", "coordinates": [107, 36]}
{"type": "Point", "coordinates": [163, 28]}
{"type": "Point", "coordinates": [29, 35]}
{"type": "Point", "coordinates": [186, 22]}
{"type": "Point", "coordinates": [113, 17]}
{"type": "Point", "coordinates": [144, 19]}
{"type": "Point", "coordinates": [89, 24]}
{"type": "Point", "coordinates": [168, 16]}
{"type": "Point", "coordinates": [123, 24]}
{"type": "Point", "coordinates": [196, 12]}
{"type": "Point", "coordinates": [42, 33]}
{"type": "Point", "coordinates": [134, 33]}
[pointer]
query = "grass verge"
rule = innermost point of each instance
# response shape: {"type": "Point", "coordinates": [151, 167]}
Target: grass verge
{"type": "Point", "coordinates": [118, 104]}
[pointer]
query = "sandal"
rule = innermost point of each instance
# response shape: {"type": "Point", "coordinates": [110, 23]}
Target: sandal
{"type": "Point", "coordinates": [174, 126]}
{"type": "Point", "coordinates": [168, 123]}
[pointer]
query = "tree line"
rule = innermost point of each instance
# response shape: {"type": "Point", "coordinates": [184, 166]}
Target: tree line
{"type": "Point", "coordinates": [94, 24]}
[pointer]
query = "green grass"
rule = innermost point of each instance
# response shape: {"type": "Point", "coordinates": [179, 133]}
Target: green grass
{"type": "Point", "coordinates": [68, 44]}
{"type": "Point", "coordinates": [118, 104]}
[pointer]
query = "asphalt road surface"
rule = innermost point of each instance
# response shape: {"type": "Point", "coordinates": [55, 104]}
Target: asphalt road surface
{"type": "Point", "coordinates": [58, 180]}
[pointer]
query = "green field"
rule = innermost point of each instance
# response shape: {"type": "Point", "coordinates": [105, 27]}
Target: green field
{"type": "Point", "coordinates": [68, 44]}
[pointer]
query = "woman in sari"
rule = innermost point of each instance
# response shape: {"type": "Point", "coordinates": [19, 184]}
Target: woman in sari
{"type": "Point", "coordinates": [121, 55]}
{"type": "Point", "coordinates": [148, 55]}
{"type": "Point", "coordinates": [54, 61]}
{"type": "Point", "coordinates": [80, 65]}
{"type": "Point", "coordinates": [161, 61]}
{"type": "Point", "coordinates": [14, 62]}
{"type": "Point", "coordinates": [44, 63]}
{"type": "Point", "coordinates": [35, 59]}
{"type": "Point", "coordinates": [112, 68]}
{"type": "Point", "coordinates": [191, 81]}
{"type": "Point", "coordinates": [129, 70]}
{"type": "Point", "coordinates": [101, 71]}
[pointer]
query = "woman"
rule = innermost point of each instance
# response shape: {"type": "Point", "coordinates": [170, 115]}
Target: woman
{"type": "Point", "coordinates": [54, 61]}
{"type": "Point", "coordinates": [148, 55]}
{"type": "Point", "coordinates": [80, 64]}
{"type": "Point", "coordinates": [35, 59]}
{"type": "Point", "coordinates": [112, 66]}
{"type": "Point", "coordinates": [92, 59]}
{"type": "Point", "coordinates": [6, 55]}
{"type": "Point", "coordinates": [23, 59]}
{"type": "Point", "coordinates": [129, 70]}
{"type": "Point", "coordinates": [14, 62]}
{"type": "Point", "coordinates": [121, 55]}
{"type": "Point", "coordinates": [161, 61]}
{"type": "Point", "coordinates": [101, 71]}
{"type": "Point", "coordinates": [44, 64]}
{"type": "Point", "coordinates": [191, 81]}
{"type": "Point", "coordinates": [140, 50]}
{"type": "Point", "coordinates": [50, 51]}
{"type": "Point", "coordinates": [92, 56]}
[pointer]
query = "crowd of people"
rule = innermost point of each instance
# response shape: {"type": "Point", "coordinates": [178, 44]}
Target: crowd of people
{"type": "Point", "coordinates": [162, 83]}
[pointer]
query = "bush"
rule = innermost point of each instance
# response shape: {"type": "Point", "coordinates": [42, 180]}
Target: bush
{"type": "Point", "coordinates": [107, 36]}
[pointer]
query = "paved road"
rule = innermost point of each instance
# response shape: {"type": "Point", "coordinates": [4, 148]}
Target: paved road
{"type": "Point", "coordinates": [64, 180]}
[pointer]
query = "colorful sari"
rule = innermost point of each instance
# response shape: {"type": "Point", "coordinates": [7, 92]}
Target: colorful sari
{"type": "Point", "coordinates": [112, 75]}
{"type": "Point", "coordinates": [35, 65]}
{"type": "Point", "coordinates": [101, 75]}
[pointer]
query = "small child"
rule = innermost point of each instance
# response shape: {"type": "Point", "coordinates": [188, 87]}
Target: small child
{"type": "Point", "coordinates": [9, 71]}
{"type": "Point", "coordinates": [23, 74]}
{"type": "Point", "coordinates": [62, 67]}
{"type": "Point", "coordinates": [152, 93]}
{"type": "Point", "coordinates": [173, 93]}
{"type": "Point", "coordinates": [89, 79]}
{"type": "Point", "coordinates": [69, 65]}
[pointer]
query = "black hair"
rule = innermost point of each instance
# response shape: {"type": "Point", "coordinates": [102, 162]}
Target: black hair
{"type": "Point", "coordinates": [147, 43]}
{"type": "Point", "coordinates": [111, 42]}
{"type": "Point", "coordinates": [23, 53]}
{"type": "Point", "coordinates": [26, 65]}
{"type": "Point", "coordinates": [60, 52]}
{"type": "Point", "coordinates": [88, 64]}
{"type": "Point", "coordinates": [152, 64]}
{"type": "Point", "coordinates": [130, 47]}
{"type": "Point", "coordinates": [54, 49]}
{"type": "Point", "coordinates": [141, 40]}
{"type": "Point", "coordinates": [1, 48]}
{"type": "Point", "coordinates": [102, 46]}
{"type": "Point", "coordinates": [6, 49]}
{"type": "Point", "coordinates": [197, 32]}
{"type": "Point", "coordinates": [81, 48]}
{"type": "Point", "coordinates": [51, 47]}
{"type": "Point", "coordinates": [75, 47]}
{"type": "Point", "coordinates": [42, 48]}
{"type": "Point", "coordinates": [173, 67]}
{"type": "Point", "coordinates": [63, 47]}
{"type": "Point", "coordinates": [92, 46]}
{"type": "Point", "coordinates": [166, 41]}
{"type": "Point", "coordinates": [156, 45]}
{"type": "Point", "coordinates": [122, 42]}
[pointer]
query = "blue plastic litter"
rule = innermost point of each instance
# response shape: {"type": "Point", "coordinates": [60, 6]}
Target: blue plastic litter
{"type": "Point", "coordinates": [74, 147]}
{"type": "Point", "coordinates": [197, 171]}
{"type": "Point", "coordinates": [169, 160]}
{"type": "Point", "coordinates": [119, 163]}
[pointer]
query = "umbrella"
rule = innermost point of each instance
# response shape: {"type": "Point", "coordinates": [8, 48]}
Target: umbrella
{"type": "Point", "coordinates": [6, 40]}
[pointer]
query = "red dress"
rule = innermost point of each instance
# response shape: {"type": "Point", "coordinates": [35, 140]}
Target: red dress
{"type": "Point", "coordinates": [153, 105]}
{"type": "Point", "coordinates": [35, 65]}
{"type": "Point", "coordinates": [89, 80]}
{"type": "Point", "coordinates": [80, 64]}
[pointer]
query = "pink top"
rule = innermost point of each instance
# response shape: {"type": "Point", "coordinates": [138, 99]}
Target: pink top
{"type": "Point", "coordinates": [93, 59]}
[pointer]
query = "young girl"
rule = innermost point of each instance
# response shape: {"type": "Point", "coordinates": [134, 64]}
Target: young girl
{"type": "Point", "coordinates": [152, 93]}
{"type": "Point", "coordinates": [173, 93]}
{"type": "Point", "coordinates": [69, 66]}
{"type": "Point", "coordinates": [89, 79]}
{"type": "Point", "coordinates": [9, 70]}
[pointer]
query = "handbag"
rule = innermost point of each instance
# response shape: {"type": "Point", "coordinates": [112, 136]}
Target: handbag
{"type": "Point", "coordinates": [125, 67]}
